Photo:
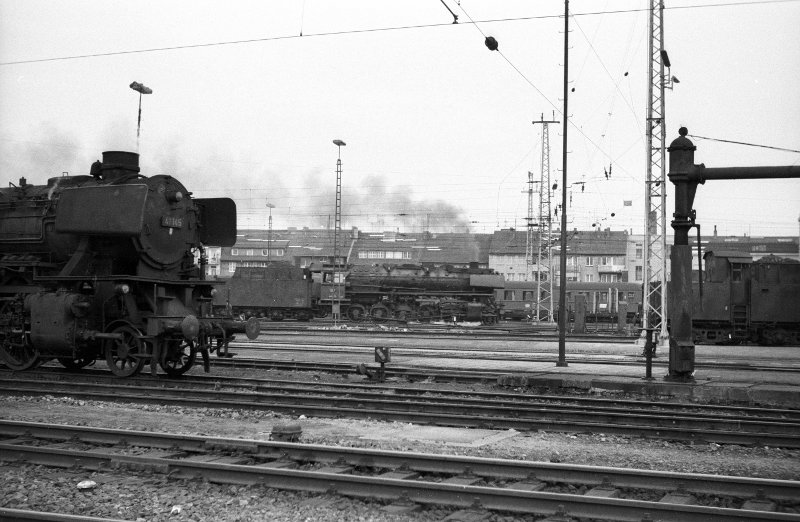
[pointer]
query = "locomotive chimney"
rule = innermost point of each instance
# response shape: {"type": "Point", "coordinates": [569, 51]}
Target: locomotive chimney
{"type": "Point", "coordinates": [119, 164]}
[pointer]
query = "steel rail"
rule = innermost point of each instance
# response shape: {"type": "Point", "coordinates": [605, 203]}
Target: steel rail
{"type": "Point", "coordinates": [25, 515]}
{"type": "Point", "coordinates": [352, 389]}
{"type": "Point", "coordinates": [434, 413]}
{"type": "Point", "coordinates": [420, 491]}
{"type": "Point", "coordinates": [742, 487]}
{"type": "Point", "coordinates": [500, 355]}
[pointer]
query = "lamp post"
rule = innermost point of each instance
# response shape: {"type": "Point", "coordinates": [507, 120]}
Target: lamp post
{"type": "Point", "coordinates": [270, 206]}
{"type": "Point", "coordinates": [141, 89]}
{"type": "Point", "coordinates": [336, 228]}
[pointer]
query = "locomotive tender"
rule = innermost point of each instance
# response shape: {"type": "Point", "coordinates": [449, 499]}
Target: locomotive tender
{"type": "Point", "coordinates": [742, 300]}
{"type": "Point", "coordinates": [103, 266]}
{"type": "Point", "coordinates": [277, 291]}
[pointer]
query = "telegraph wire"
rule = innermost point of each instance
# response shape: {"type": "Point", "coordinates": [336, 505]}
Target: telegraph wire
{"type": "Point", "coordinates": [379, 29]}
{"type": "Point", "coordinates": [744, 143]}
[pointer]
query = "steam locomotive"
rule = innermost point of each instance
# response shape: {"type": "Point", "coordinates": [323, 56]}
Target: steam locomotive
{"type": "Point", "coordinates": [741, 300]}
{"type": "Point", "coordinates": [380, 293]}
{"type": "Point", "coordinates": [407, 291]}
{"type": "Point", "coordinates": [110, 265]}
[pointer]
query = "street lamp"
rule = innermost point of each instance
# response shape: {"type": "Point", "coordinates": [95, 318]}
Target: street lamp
{"type": "Point", "coordinates": [270, 206]}
{"type": "Point", "coordinates": [141, 89]}
{"type": "Point", "coordinates": [336, 228]}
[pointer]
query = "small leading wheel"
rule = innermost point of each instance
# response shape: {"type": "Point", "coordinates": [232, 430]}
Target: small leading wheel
{"type": "Point", "coordinates": [19, 356]}
{"type": "Point", "coordinates": [125, 357]}
{"type": "Point", "coordinates": [179, 358]}
{"type": "Point", "coordinates": [75, 363]}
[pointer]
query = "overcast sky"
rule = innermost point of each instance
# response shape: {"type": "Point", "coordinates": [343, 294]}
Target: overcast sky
{"type": "Point", "coordinates": [438, 128]}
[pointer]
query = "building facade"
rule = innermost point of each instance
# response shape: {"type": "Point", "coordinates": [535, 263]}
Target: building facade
{"type": "Point", "coordinates": [596, 256]}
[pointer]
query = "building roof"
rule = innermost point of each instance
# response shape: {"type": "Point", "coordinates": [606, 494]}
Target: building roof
{"type": "Point", "coordinates": [596, 243]}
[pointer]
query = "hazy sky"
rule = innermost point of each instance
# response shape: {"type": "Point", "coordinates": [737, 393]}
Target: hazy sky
{"type": "Point", "coordinates": [438, 128]}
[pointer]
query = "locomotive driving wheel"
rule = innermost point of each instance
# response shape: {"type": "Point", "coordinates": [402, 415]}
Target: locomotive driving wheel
{"type": "Point", "coordinates": [179, 357]}
{"type": "Point", "coordinates": [125, 356]}
{"type": "Point", "coordinates": [20, 356]}
{"type": "Point", "coordinates": [379, 313]}
{"type": "Point", "coordinates": [356, 312]}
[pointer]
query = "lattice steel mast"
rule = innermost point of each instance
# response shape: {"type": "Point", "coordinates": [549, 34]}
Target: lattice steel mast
{"type": "Point", "coordinates": [337, 229]}
{"type": "Point", "coordinates": [544, 292]}
{"type": "Point", "coordinates": [655, 233]}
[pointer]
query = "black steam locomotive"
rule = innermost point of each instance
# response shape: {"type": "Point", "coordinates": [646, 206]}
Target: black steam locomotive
{"type": "Point", "coordinates": [414, 292]}
{"type": "Point", "coordinates": [741, 300]}
{"type": "Point", "coordinates": [380, 293]}
{"type": "Point", "coordinates": [110, 265]}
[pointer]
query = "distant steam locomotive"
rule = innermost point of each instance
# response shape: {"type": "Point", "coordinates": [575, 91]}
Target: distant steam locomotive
{"type": "Point", "coordinates": [103, 266]}
{"type": "Point", "coordinates": [745, 301]}
{"type": "Point", "coordinates": [378, 292]}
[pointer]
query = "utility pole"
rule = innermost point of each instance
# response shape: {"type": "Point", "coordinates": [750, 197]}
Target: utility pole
{"type": "Point", "coordinates": [270, 206]}
{"type": "Point", "coordinates": [654, 302]}
{"type": "Point", "coordinates": [544, 293]}
{"type": "Point", "coordinates": [563, 317]}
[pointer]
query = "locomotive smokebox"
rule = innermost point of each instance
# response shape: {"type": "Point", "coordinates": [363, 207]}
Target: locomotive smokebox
{"type": "Point", "coordinates": [116, 164]}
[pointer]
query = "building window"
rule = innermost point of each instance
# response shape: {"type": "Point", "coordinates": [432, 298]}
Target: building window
{"type": "Point", "coordinates": [234, 251]}
{"type": "Point", "coordinates": [639, 251]}
{"type": "Point", "coordinates": [249, 251]}
{"type": "Point", "coordinates": [639, 273]}
{"type": "Point", "coordinates": [508, 295]}
{"type": "Point", "coordinates": [231, 267]}
{"type": "Point", "coordinates": [609, 278]}
{"type": "Point", "coordinates": [588, 278]}
{"type": "Point", "coordinates": [276, 252]}
{"type": "Point", "coordinates": [527, 295]}
{"type": "Point", "coordinates": [589, 261]}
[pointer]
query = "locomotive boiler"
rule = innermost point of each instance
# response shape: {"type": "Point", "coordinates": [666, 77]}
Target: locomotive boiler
{"type": "Point", "coordinates": [110, 265]}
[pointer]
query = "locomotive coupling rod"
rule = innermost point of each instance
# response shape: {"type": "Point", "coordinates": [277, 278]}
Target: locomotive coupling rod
{"type": "Point", "coordinates": [101, 335]}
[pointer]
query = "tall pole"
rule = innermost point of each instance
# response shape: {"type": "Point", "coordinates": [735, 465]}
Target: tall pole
{"type": "Point", "coordinates": [141, 89]}
{"type": "Point", "coordinates": [545, 216]}
{"type": "Point", "coordinates": [563, 320]}
{"type": "Point", "coordinates": [654, 302]}
{"type": "Point", "coordinates": [270, 206]}
{"type": "Point", "coordinates": [337, 227]}
{"type": "Point", "coordinates": [139, 122]}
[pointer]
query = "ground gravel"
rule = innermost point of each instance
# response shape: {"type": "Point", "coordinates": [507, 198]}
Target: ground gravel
{"type": "Point", "coordinates": [147, 497]}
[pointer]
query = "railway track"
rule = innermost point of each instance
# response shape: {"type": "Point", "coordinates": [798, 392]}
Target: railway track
{"type": "Point", "coordinates": [403, 480]}
{"type": "Point", "coordinates": [671, 421]}
{"type": "Point", "coordinates": [470, 353]}
{"type": "Point", "coordinates": [444, 331]}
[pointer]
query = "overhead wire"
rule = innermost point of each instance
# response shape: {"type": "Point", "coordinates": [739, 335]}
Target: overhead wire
{"type": "Point", "coordinates": [375, 30]}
